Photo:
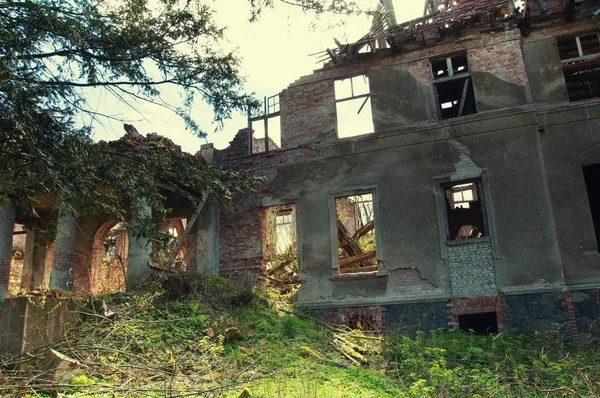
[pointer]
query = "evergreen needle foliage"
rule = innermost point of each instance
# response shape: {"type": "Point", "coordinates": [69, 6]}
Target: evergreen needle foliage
{"type": "Point", "coordinates": [52, 52]}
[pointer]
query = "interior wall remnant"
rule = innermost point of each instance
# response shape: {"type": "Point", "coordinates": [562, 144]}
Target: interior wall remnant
{"type": "Point", "coordinates": [495, 93]}
{"type": "Point", "coordinates": [499, 75]}
{"type": "Point", "coordinates": [207, 241]}
{"type": "Point", "coordinates": [544, 71]}
{"type": "Point", "coordinates": [393, 93]}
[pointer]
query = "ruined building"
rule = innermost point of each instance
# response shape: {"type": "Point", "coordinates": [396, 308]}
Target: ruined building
{"type": "Point", "coordinates": [439, 173]}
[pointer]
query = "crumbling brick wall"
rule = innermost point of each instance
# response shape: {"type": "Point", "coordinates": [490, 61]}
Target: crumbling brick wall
{"type": "Point", "coordinates": [308, 114]}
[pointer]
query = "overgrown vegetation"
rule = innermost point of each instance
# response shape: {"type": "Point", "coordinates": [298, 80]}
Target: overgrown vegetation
{"type": "Point", "coordinates": [227, 338]}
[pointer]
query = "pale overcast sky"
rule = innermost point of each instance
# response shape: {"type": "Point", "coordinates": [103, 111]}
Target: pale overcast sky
{"type": "Point", "coordinates": [274, 52]}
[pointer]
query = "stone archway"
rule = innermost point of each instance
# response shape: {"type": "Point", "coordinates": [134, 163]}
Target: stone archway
{"type": "Point", "coordinates": [109, 258]}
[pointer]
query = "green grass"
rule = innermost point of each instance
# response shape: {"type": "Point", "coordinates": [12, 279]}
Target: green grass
{"type": "Point", "coordinates": [226, 339]}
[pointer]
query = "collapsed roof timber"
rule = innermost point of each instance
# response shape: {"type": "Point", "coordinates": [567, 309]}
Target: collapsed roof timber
{"type": "Point", "coordinates": [443, 172]}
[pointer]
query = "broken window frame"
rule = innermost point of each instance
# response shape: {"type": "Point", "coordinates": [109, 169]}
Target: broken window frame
{"type": "Point", "coordinates": [270, 110]}
{"type": "Point", "coordinates": [581, 65]}
{"type": "Point", "coordinates": [372, 190]}
{"type": "Point", "coordinates": [453, 76]}
{"type": "Point", "coordinates": [479, 196]}
{"type": "Point", "coordinates": [353, 97]}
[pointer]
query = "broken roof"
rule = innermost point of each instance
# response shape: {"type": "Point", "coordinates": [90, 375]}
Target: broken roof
{"type": "Point", "coordinates": [443, 16]}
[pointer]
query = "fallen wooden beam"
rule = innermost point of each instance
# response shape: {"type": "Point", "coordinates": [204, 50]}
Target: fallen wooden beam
{"type": "Point", "coordinates": [362, 231]}
{"type": "Point", "coordinates": [279, 267]}
{"type": "Point", "coordinates": [346, 242]}
{"type": "Point", "coordinates": [348, 262]}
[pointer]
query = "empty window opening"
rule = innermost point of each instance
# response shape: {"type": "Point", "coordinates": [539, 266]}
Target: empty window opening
{"type": "Point", "coordinates": [266, 127]}
{"type": "Point", "coordinates": [355, 222]}
{"type": "Point", "coordinates": [481, 323]}
{"type": "Point", "coordinates": [591, 174]}
{"type": "Point", "coordinates": [167, 243]}
{"type": "Point", "coordinates": [453, 86]}
{"type": "Point", "coordinates": [281, 249]}
{"type": "Point", "coordinates": [110, 276]}
{"type": "Point", "coordinates": [353, 106]}
{"type": "Point", "coordinates": [580, 57]}
{"type": "Point", "coordinates": [259, 138]}
{"type": "Point", "coordinates": [465, 212]}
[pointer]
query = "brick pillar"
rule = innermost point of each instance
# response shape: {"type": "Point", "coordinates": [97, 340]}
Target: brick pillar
{"type": "Point", "coordinates": [140, 249]}
{"type": "Point", "coordinates": [62, 276]}
{"type": "Point", "coordinates": [7, 222]}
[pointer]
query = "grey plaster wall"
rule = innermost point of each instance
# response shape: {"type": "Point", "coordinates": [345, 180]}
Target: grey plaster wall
{"type": "Point", "coordinates": [27, 323]}
{"type": "Point", "coordinates": [522, 222]}
{"type": "Point", "coordinates": [140, 249]}
{"type": "Point", "coordinates": [494, 93]}
{"type": "Point", "coordinates": [393, 98]}
{"type": "Point", "coordinates": [400, 168]}
{"type": "Point", "coordinates": [207, 243]}
{"type": "Point", "coordinates": [544, 71]}
{"type": "Point", "coordinates": [570, 140]}
{"type": "Point", "coordinates": [62, 275]}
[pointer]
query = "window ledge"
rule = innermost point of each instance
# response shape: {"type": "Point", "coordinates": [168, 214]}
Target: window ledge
{"type": "Point", "coordinates": [358, 276]}
{"type": "Point", "coordinates": [469, 241]}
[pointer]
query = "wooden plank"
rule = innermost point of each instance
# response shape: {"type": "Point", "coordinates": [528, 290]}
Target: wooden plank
{"type": "Point", "coordinates": [345, 241]}
{"type": "Point", "coordinates": [362, 231]}
{"type": "Point", "coordinates": [463, 96]}
{"type": "Point", "coordinates": [188, 229]}
{"type": "Point", "coordinates": [362, 258]}
{"type": "Point", "coordinates": [284, 264]}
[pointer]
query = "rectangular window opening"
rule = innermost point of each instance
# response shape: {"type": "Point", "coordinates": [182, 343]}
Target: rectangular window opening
{"type": "Point", "coordinates": [465, 213]}
{"type": "Point", "coordinates": [481, 323]}
{"type": "Point", "coordinates": [266, 127]}
{"type": "Point", "coordinates": [353, 106]}
{"type": "Point", "coordinates": [259, 138]}
{"type": "Point", "coordinates": [580, 57]}
{"type": "Point", "coordinates": [355, 223]}
{"type": "Point", "coordinates": [281, 249]}
{"type": "Point", "coordinates": [591, 174]}
{"type": "Point", "coordinates": [453, 86]}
